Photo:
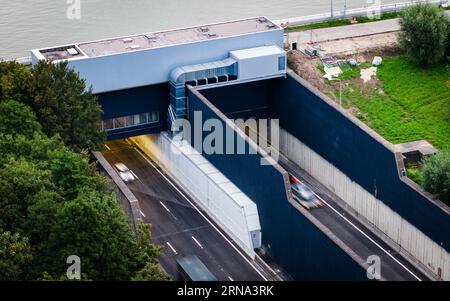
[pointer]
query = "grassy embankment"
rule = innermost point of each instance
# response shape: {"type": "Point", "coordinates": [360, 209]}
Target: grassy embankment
{"type": "Point", "coordinates": [406, 103]}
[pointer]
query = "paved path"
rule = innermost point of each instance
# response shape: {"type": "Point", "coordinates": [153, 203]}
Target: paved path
{"type": "Point", "coordinates": [344, 32]}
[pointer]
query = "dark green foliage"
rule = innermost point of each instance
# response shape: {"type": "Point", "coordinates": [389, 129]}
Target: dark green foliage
{"type": "Point", "coordinates": [424, 33]}
{"type": "Point", "coordinates": [436, 175]}
{"type": "Point", "coordinates": [60, 100]}
{"type": "Point", "coordinates": [52, 199]}
{"type": "Point", "coordinates": [17, 118]}
{"type": "Point", "coordinates": [15, 253]}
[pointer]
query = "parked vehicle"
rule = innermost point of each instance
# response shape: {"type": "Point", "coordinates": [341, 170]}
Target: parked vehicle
{"type": "Point", "coordinates": [124, 172]}
{"type": "Point", "coordinates": [304, 195]}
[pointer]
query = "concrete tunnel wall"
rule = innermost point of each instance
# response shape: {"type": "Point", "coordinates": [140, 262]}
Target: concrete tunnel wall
{"type": "Point", "coordinates": [339, 150]}
{"type": "Point", "coordinates": [295, 243]}
{"type": "Point", "coordinates": [362, 157]}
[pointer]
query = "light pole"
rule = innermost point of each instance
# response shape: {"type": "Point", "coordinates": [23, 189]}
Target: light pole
{"type": "Point", "coordinates": [331, 9]}
{"type": "Point", "coordinates": [345, 8]}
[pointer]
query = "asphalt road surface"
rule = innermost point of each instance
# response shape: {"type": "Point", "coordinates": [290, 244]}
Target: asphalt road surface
{"type": "Point", "coordinates": [176, 224]}
{"type": "Point", "coordinates": [355, 235]}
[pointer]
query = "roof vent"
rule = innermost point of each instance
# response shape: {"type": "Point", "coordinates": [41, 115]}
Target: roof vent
{"type": "Point", "coordinates": [271, 25]}
{"type": "Point", "coordinates": [212, 35]}
{"type": "Point", "coordinates": [151, 37]}
{"type": "Point", "coordinates": [72, 51]}
{"type": "Point", "coordinates": [204, 29]}
{"type": "Point", "coordinates": [262, 20]}
{"type": "Point", "coordinates": [127, 40]}
{"type": "Point", "coordinates": [135, 47]}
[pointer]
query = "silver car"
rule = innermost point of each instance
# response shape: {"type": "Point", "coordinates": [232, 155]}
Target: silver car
{"type": "Point", "coordinates": [305, 196]}
{"type": "Point", "coordinates": [124, 172]}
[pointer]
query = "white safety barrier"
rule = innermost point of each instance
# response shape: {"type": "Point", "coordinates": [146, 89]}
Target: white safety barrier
{"type": "Point", "coordinates": [229, 207]}
{"type": "Point", "coordinates": [407, 237]}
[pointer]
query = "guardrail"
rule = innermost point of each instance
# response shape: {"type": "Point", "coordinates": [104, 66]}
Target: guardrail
{"type": "Point", "coordinates": [370, 10]}
{"type": "Point", "coordinates": [126, 198]}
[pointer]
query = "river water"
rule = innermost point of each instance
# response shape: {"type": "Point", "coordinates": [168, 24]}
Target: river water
{"type": "Point", "coordinates": [28, 24]}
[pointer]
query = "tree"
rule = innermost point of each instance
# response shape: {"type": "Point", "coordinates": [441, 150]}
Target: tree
{"type": "Point", "coordinates": [424, 33]}
{"type": "Point", "coordinates": [15, 82]}
{"type": "Point", "coordinates": [64, 106]}
{"type": "Point", "coordinates": [436, 175]}
{"type": "Point", "coordinates": [151, 272]}
{"type": "Point", "coordinates": [95, 228]}
{"type": "Point", "coordinates": [17, 118]}
{"type": "Point", "coordinates": [15, 253]}
{"type": "Point", "coordinates": [20, 182]}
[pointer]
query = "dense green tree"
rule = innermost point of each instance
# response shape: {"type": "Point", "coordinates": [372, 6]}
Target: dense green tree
{"type": "Point", "coordinates": [64, 106]}
{"type": "Point", "coordinates": [62, 103]}
{"type": "Point", "coordinates": [15, 253]}
{"type": "Point", "coordinates": [95, 228]}
{"type": "Point", "coordinates": [151, 272]}
{"type": "Point", "coordinates": [16, 82]}
{"type": "Point", "coordinates": [20, 182]}
{"type": "Point", "coordinates": [17, 118]}
{"type": "Point", "coordinates": [424, 33]}
{"type": "Point", "coordinates": [436, 175]}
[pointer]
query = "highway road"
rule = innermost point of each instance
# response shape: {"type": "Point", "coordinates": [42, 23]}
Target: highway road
{"type": "Point", "coordinates": [354, 234]}
{"type": "Point", "coordinates": [176, 224]}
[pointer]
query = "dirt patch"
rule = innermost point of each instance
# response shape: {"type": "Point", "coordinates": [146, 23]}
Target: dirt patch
{"type": "Point", "coordinates": [308, 68]}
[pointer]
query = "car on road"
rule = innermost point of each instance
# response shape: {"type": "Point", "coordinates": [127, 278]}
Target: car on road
{"type": "Point", "coordinates": [124, 172]}
{"type": "Point", "coordinates": [304, 195]}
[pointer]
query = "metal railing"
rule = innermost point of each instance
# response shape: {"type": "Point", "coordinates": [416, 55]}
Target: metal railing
{"type": "Point", "coordinates": [369, 10]}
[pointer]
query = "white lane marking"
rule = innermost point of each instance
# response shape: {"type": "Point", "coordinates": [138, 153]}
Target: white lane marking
{"type": "Point", "coordinates": [231, 279]}
{"type": "Point", "coordinates": [195, 207]}
{"type": "Point", "coordinates": [196, 241]}
{"type": "Point", "coordinates": [142, 213]}
{"type": "Point", "coordinates": [107, 147]}
{"type": "Point", "coordinates": [172, 248]}
{"type": "Point", "coordinates": [368, 237]}
{"type": "Point", "coordinates": [165, 207]}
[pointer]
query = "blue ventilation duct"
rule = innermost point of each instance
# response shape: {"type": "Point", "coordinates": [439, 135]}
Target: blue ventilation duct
{"type": "Point", "coordinates": [196, 75]}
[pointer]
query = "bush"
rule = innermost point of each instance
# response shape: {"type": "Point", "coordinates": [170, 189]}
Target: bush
{"type": "Point", "coordinates": [424, 33]}
{"type": "Point", "coordinates": [436, 175]}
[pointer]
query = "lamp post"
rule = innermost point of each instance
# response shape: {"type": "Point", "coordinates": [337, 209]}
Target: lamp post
{"type": "Point", "coordinates": [331, 9]}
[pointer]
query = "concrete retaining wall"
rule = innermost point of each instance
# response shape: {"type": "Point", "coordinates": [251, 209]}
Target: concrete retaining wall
{"type": "Point", "coordinates": [296, 241]}
{"type": "Point", "coordinates": [126, 198]}
{"type": "Point", "coordinates": [234, 212]}
{"type": "Point", "coordinates": [405, 235]}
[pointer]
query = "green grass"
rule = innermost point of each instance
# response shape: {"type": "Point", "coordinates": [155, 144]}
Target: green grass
{"type": "Point", "coordinates": [341, 22]}
{"type": "Point", "coordinates": [409, 104]}
{"type": "Point", "coordinates": [413, 172]}
{"type": "Point", "coordinates": [330, 23]}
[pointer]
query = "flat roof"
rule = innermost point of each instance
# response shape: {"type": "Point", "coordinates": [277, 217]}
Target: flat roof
{"type": "Point", "coordinates": [164, 38]}
{"type": "Point", "coordinates": [243, 54]}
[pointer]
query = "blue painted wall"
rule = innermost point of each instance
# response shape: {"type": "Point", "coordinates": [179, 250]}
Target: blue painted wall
{"type": "Point", "coordinates": [344, 144]}
{"type": "Point", "coordinates": [293, 241]}
{"type": "Point", "coordinates": [154, 98]}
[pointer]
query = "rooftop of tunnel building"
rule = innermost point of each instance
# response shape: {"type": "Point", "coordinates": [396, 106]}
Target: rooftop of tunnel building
{"type": "Point", "coordinates": [160, 39]}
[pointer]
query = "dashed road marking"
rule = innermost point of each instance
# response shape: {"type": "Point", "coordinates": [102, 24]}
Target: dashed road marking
{"type": "Point", "coordinates": [165, 207]}
{"type": "Point", "coordinates": [172, 248]}
{"type": "Point", "coordinates": [196, 241]}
